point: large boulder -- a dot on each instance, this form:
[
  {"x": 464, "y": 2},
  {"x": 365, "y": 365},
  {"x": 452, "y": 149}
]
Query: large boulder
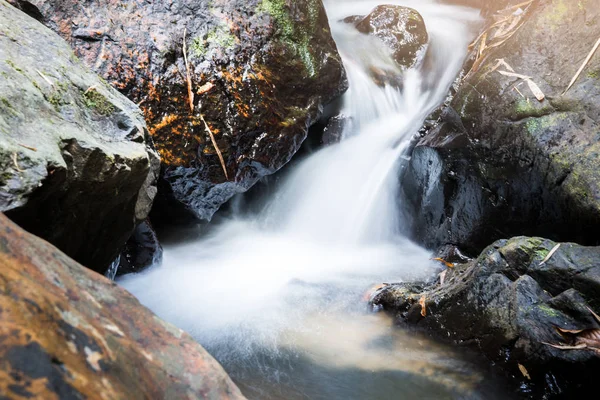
[
  {"x": 527, "y": 305},
  {"x": 401, "y": 29},
  {"x": 78, "y": 166},
  {"x": 259, "y": 72},
  {"x": 69, "y": 333},
  {"x": 502, "y": 163}
]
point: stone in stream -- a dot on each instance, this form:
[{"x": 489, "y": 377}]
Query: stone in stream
[
  {"x": 501, "y": 163},
  {"x": 141, "y": 251},
  {"x": 69, "y": 333},
  {"x": 510, "y": 303},
  {"x": 401, "y": 29},
  {"x": 260, "y": 72},
  {"x": 78, "y": 166}
]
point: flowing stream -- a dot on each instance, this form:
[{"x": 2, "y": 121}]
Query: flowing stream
[{"x": 277, "y": 295}]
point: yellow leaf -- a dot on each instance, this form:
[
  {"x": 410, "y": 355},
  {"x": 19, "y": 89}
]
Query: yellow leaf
[
  {"x": 524, "y": 371},
  {"x": 422, "y": 301}
]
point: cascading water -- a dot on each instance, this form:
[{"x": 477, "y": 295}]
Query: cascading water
[{"x": 281, "y": 289}]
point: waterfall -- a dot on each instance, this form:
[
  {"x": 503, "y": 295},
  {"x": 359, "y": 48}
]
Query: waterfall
[{"x": 333, "y": 228}]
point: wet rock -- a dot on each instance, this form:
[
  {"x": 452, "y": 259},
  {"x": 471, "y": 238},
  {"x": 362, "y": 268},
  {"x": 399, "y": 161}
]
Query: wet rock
[
  {"x": 334, "y": 130},
  {"x": 260, "y": 72},
  {"x": 141, "y": 251},
  {"x": 509, "y": 303},
  {"x": 67, "y": 332},
  {"x": 501, "y": 163},
  {"x": 402, "y": 29},
  {"x": 78, "y": 166}
]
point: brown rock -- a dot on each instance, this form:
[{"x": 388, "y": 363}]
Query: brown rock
[
  {"x": 69, "y": 333},
  {"x": 260, "y": 72}
]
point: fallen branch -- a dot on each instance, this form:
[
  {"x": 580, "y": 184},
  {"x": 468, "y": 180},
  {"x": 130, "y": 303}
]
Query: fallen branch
[
  {"x": 187, "y": 74},
  {"x": 585, "y": 63},
  {"x": 214, "y": 142}
]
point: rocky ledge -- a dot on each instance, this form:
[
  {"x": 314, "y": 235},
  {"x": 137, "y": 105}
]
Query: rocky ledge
[
  {"x": 69, "y": 333},
  {"x": 78, "y": 165},
  {"x": 528, "y": 303}
]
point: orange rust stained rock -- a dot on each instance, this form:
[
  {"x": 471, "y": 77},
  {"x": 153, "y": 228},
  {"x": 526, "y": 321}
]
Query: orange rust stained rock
[
  {"x": 66, "y": 332},
  {"x": 273, "y": 70}
]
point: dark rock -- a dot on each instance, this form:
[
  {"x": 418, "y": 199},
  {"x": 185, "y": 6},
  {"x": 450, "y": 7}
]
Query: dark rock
[
  {"x": 509, "y": 304},
  {"x": 502, "y": 164},
  {"x": 402, "y": 29},
  {"x": 78, "y": 166},
  {"x": 141, "y": 251},
  {"x": 69, "y": 333},
  {"x": 260, "y": 70},
  {"x": 334, "y": 129}
]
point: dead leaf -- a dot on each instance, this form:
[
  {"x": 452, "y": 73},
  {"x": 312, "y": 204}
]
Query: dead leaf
[
  {"x": 442, "y": 276},
  {"x": 566, "y": 347},
  {"x": 422, "y": 301},
  {"x": 550, "y": 254},
  {"x": 367, "y": 295},
  {"x": 205, "y": 88},
  {"x": 524, "y": 371},
  {"x": 14, "y": 159},
  {"x": 570, "y": 331},
  {"x": 446, "y": 263}
]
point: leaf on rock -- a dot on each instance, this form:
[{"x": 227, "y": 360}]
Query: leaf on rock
[
  {"x": 566, "y": 346},
  {"x": 524, "y": 371},
  {"x": 442, "y": 276},
  {"x": 446, "y": 263},
  {"x": 422, "y": 301}
]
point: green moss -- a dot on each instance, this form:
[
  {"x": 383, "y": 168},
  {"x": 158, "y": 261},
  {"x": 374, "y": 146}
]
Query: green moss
[
  {"x": 12, "y": 64},
  {"x": 5, "y": 102},
  {"x": 525, "y": 108},
  {"x": 94, "y": 100},
  {"x": 595, "y": 74},
  {"x": 548, "y": 311},
  {"x": 558, "y": 13},
  {"x": 218, "y": 37},
  {"x": 294, "y": 35}
]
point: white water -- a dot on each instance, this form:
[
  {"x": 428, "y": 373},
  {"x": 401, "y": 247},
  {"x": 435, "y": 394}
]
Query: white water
[{"x": 332, "y": 230}]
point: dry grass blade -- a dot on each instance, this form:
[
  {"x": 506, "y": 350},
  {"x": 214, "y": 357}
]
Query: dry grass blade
[
  {"x": 585, "y": 63},
  {"x": 45, "y": 78},
  {"x": 216, "y": 146},
  {"x": 595, "y": 315},
  {"x": 550, "y": 254},
  {"x": 566, "y": 347},
  {"x": 422, "y": 301},
  {"x": 27, "y": 147},
  {"x": 187, "y": 73},
  {"x": 535, "y": 89},
  {"x": 524, "y": 371}
]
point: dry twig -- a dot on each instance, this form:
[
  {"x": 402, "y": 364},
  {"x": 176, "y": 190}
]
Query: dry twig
[{"x": 585, "y": 63}]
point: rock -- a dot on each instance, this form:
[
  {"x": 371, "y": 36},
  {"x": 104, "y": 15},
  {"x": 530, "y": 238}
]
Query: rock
[
  {"x": 334, "y": 130},
  {"x": 509, "y": 304},
  {"x": 67, "y": 332},
  {"x": 78, "y": 166},
  {"x": 402, "y": 29},
  {"x": 501, "y": 163},
  {"x": 141, "y": 251},
  {"x": 260, "y": 71}
]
